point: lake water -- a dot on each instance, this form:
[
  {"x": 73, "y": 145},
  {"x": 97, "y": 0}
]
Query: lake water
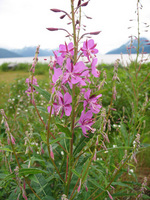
[{"x": 108, "y": 59}]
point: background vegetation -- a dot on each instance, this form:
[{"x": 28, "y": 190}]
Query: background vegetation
[{"x": 21, "y": 118}]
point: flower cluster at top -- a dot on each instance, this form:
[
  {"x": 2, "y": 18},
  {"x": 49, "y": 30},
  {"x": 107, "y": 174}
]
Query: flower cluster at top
[{"x": 66, "y": 74}]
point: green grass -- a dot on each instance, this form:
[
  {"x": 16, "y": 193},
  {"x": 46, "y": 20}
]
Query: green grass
[{"x": 21, "y": 115}]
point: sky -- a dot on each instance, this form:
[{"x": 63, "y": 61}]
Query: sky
[{"x": 23, "y": 23}]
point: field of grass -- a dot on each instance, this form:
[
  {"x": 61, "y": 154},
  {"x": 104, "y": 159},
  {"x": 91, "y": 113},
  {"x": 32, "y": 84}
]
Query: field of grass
[{"x": 16, "y": 104}]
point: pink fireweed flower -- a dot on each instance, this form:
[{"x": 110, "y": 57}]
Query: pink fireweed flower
[
  {"x": 57, "y": 74},
  {"x": 29, "y": 82},
  {"x": 66, "y": 50},
  {"x": 86, "y": 122},
  {"x": 95, "y": 72},
  {"x": 58, "y": 59},
  {"x": 89, "y": 48},
  {"x": 63, "y": 104},
  {"x": 74, "y": 72},
  {"x": 91, "y": 102}
]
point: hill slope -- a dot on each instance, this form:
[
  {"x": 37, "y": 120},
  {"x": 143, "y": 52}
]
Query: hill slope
[
  {"x": 4, "y": 53},
  {"x": 123, "y": 48},
  {"x": 30, "y": 52}
]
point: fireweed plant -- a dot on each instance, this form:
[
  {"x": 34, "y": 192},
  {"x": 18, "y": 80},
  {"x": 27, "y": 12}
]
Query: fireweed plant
[{"x": 73, "y": 155}]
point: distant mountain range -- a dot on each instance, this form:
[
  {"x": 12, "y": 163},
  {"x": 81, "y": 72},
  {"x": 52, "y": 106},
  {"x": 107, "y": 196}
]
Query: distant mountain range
[
  {"x": 123, "y": 49},
  {"x": 4, "y": 53},
  {"x": 30, "y": 51},
  {"x": 25, "y": 52}
]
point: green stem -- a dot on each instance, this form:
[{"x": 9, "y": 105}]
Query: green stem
[
  {"x": 73, "y": 101},
  {"x": 48, "y": 128},
  {"x": 48, "y": 146}
]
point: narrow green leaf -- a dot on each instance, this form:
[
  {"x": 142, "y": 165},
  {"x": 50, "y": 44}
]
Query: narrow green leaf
[
  {"x": 58, "y": 139},
  {"x": 64, "y": 129},
  {"x": 144, "y": 196},
  {"x": 43, "y": 136},
  {"x": 76, "y": 173},
  {"x": 98, "y": 92},
  {"x": 5, "y": 149},
  {"x": 33, "y": 178},
  {"x": 26, "y": 171},
  {"x": 44, "y": 93},
  {"x": 40, "y": 108},
  {"x": 124, "y": 133},
  {"x": 96, "y": 184},
  {"x": 123, "y": 194},
  {"x": 85, "y": 170},
  {"x": 82, "y": 143},
  {"x": 121, "y": 184}
]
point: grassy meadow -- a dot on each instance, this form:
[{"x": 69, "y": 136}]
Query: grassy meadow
[{"x": 132, "y": 88}]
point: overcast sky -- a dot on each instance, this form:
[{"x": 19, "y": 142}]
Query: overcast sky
[{"x": 24, "y": 22}]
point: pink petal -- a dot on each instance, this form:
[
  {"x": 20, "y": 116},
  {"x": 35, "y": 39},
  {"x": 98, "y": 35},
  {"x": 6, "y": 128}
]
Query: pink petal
[
  {"x": 90, "y": 43},
  {"x": 68, "y": 110},
  {"x": 67, "y": 98},
  {"x": 87, "y": 94}
]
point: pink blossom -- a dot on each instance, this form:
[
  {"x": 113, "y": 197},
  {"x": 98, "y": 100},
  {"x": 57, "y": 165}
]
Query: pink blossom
[
  {"x": 89, "y": 48},
  {"x": 63, "y": 104},
  {"x": 86, "y": 122},
  {"x": 58, "y": 59},
  {"x": 66, "y": 50},
  {"x": 95, "y": 72},
  {"x": 74, "y": 72},
  {"x": 91, "y": 101},
  {"x": 57, "y": 74}
]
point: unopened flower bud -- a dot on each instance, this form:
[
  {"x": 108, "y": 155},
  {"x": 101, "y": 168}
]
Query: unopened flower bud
[
  {"x": 94, "y": 157},
  {"x": 109, "y": 195},
  {"x": 86, "y": 188},
  {"x": 51, "y": 152},
  {"x": 97, "y": 141},
  {"x": 79, "y": 188},
  {"x": 12, "y": 139}
]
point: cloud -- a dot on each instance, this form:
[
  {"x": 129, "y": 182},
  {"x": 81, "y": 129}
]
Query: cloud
[{"x": 24, "y": 22}]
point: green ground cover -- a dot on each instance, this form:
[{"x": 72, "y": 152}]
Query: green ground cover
[{"x": 22, "y": 115}]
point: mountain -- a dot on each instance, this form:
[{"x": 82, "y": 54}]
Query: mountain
[
  {"x": 30, "y": 52},
  {"x": 25, "y": 52},
  {"x": 123, "y": 48},
  {"x": 4, "y": 53}
]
